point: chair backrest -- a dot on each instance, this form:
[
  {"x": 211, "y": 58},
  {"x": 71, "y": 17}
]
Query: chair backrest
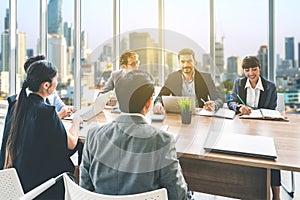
[
  {"x": 280, "y": 102},
  {"x": 10, "y": 185},
  {"x": 75, "y": 192}
]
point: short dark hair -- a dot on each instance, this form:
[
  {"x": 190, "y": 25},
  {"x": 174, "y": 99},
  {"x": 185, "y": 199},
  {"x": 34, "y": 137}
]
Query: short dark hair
[
  {"x": 125, "y": 55},
  {"x": 186, "y": 51},
  {"x": 250, "y": 62},
  {"x": 31, "y": 60},
  {"x": 134, "y": 90}
]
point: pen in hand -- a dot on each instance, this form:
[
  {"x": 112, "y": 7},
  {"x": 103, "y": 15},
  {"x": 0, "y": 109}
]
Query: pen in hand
[
  {"x": 238, "y": 96},
  {"x": 249, "y": 108},
  {"x": 207, "y": 104}
]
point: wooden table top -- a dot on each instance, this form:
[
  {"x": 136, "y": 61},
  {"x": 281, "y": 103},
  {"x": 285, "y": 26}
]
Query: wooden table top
[{"x": 191, "y": 138}]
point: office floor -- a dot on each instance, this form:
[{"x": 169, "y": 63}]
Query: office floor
[{"x": 285, "y": 176}]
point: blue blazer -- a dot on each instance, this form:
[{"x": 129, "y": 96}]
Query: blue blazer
[{"x": 267, "y": 98}]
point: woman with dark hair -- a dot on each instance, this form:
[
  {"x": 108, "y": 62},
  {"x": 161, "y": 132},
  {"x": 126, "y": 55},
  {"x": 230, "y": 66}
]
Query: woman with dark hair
[
  {"x": 256, "y": 92},
  {"x": 38, "y": 144}
]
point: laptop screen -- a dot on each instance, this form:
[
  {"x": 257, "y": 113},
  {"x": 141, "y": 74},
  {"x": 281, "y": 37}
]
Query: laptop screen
[{"x": 171, "y": 103}]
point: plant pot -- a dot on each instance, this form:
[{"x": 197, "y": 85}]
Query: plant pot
[{"x": 186, "y": 117}]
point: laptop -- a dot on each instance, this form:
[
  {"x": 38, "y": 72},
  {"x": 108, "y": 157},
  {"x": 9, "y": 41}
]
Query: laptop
[
  {"x": 244, "y": 145},
  {"x": 171, "y": 103},
  {"x": 93, "y": 110}
]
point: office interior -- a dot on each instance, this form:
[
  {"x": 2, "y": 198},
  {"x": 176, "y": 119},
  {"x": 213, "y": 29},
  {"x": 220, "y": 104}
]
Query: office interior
[{"x": 84, "y": 39}]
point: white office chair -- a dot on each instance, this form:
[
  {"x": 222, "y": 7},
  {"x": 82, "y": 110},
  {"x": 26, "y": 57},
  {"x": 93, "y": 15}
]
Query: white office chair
[
  {"x": 11, "y": 188},
  {"x": 281, "y": 108},
  {"x": 75, "y": 192}
]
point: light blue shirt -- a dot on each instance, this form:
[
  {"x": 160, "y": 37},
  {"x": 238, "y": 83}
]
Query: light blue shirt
[{"x": 56, "y": 101}]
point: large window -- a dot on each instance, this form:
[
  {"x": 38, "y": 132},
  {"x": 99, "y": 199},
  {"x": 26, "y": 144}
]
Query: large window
[
  {"x": 96, "y": 47},
  {"x": 61, "y": 45},
  {"x": 287, "y": 52},
  {"x": 241, "y": 30},
  {"x": 5, "y": 49},
  {"x": 139, "y": 32},
  {"x": 27, "y": 36},
  {"x": 187, "y": 25}
]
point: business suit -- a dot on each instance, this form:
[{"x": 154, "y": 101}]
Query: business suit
[
  {"x": 131, "y": 156},
  {"x": 267, "y": 98},
  {"x": 112, "y": 81},
  {"x": 204, "y": 86}
]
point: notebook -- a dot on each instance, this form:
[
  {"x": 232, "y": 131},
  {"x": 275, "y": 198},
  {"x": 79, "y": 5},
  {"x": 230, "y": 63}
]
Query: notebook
[
  {"x": 93, "y": 110},
  {"x": 264, "y": 113},
  {"x": 245, "y": 145},
  {"x": 222, "y": 112},
  {"x": 171, "y": 103}
]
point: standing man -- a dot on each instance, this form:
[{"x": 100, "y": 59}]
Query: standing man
[{"x": 188, "y": 81}]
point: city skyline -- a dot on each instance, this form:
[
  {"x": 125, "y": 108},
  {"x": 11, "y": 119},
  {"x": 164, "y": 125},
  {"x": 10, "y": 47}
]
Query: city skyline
[{"x": 28, "y": 23}]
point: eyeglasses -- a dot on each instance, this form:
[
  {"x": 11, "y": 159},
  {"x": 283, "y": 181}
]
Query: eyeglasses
[{"x": 133, "y": 64}]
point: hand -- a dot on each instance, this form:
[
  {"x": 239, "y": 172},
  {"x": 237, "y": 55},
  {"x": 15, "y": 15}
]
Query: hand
[
  {"x": 66, "y": 111},
  {"x": 77, "y": 122},
  {"x": 158, "y": 109},
  {"x": 111, "y": 102},
  {"x": 73, "y": 132},
  {"x": 245, "y": 110},
  {"x": 209, "y": 106}
]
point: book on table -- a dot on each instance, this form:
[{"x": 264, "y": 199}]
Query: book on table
[
  {"x": 264, "y": 113},
  {"x": 222, "y": 112}
]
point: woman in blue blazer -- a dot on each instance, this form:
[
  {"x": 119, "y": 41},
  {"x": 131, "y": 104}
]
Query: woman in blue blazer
[{"x": 256, "y": 92}]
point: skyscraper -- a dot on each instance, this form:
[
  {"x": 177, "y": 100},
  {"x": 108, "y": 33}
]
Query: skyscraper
[
  {"x": 263, "y": 60},
  {"x": 69, "y": 33},
  {"x": 289, "y": 50},
  {"x": 6, "y": 20},
  {"x": 146, "y": 47},
  {"x": 57, "y": 54},
  {"x": 299, "y": 54},
  {"x": 5, "y": 50},
  {"x": 55, "y": 17},
  {"x": 219, "y": 56}
]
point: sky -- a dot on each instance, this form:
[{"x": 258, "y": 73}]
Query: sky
[{"x": 241, "y": 24}]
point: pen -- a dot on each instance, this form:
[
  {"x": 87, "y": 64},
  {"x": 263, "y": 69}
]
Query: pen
[
  {"x": 207, "y": 105},
  {"x": 208, "y": 97},
  {"x": 242, "y": 100}
]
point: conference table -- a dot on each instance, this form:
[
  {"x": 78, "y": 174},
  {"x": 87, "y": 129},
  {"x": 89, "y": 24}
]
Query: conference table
[{"x": 223, "y": 174}]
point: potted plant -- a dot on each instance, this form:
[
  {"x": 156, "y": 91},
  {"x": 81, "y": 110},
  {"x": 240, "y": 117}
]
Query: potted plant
[{"x": 186, "y": 107}]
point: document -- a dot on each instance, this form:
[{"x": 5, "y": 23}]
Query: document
[
  {"x": 264, "y": 113},
  {"x": 244, "y": 145},
  {"x": 222, "y": 112}
]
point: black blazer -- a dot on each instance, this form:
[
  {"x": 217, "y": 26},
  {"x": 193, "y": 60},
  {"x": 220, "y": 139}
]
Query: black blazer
[{"x": 204, "y": 86}]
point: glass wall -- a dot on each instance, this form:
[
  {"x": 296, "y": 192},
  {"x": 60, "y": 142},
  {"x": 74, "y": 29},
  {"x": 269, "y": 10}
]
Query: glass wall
[
  {"x": 287, "y": 52},
  {"x": 5, "y": 49},
  {"x": 139, "y": 32},
  {"x": 187, "y": 25},
  {"x": 96, "y": 47},
  {"x": 241, "y": 30},
  {"x": 27, "y": 36},
  {"x": 61, "y": 45}
]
